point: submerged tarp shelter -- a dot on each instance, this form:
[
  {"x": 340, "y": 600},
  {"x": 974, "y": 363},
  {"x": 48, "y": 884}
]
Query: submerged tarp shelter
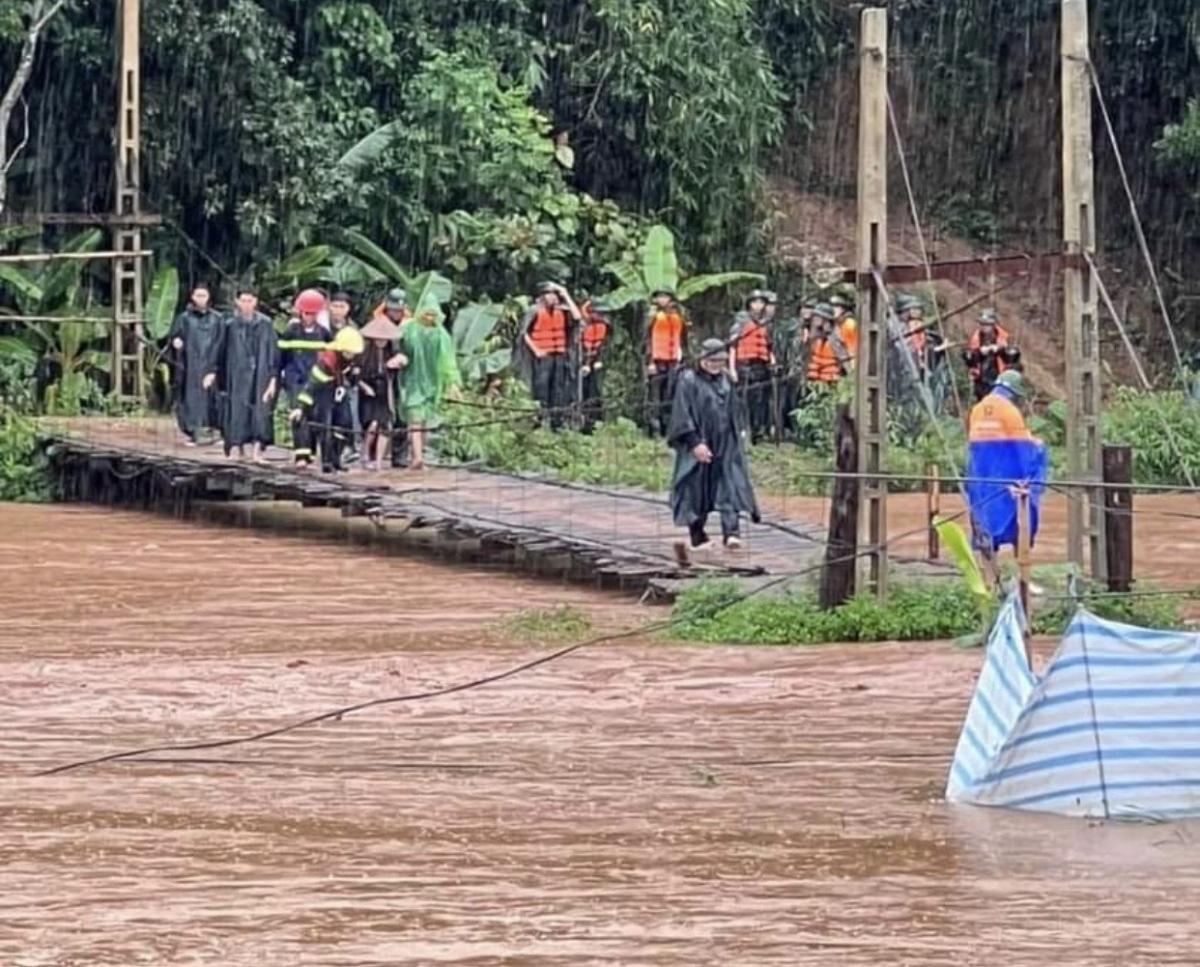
[{"x": 1112, "y": 729}]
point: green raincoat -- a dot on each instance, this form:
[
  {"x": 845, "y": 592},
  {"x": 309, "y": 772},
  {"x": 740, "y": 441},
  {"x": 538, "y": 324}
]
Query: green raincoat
[{"x": 431, "y": 371}]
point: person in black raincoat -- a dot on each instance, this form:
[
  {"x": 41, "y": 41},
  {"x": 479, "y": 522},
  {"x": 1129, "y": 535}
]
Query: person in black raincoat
[
  {"x": 246, "y": 375},
  {"x": 547, "y": 350},
  {"x": 195, "y": 339},
  {"x": 711, "y": 472}
]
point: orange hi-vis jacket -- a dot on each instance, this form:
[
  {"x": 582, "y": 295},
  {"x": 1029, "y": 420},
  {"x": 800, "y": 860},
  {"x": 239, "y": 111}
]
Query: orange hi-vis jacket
[
  {"x": 996, "y": 418},
  {"x": 823, "y": 363},
  {"x": 666, "y": 336},
  {"x": 974, "y": 344},
  {"x": 548, "y": 331},
  {"x": 753, "y": 343}
]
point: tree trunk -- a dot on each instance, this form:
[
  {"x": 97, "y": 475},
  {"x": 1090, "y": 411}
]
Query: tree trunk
[{"x": 39, "y": 16}]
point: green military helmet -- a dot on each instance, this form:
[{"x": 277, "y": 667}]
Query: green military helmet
[
  {"x": 545, "y": 287},
  {"x": 756, "y": 294},
  {"x": 600, "y": 307},
  {"x": 663, "y": 290},
  {"x": 1014, "y": 381},
  {"x": 824, "y": 310},
  {"x": 396, "y": 298},
  {"x": 906, "y": 303},
  {"x": 840, "y": 301},
  {"x": 988, "y": 317}
]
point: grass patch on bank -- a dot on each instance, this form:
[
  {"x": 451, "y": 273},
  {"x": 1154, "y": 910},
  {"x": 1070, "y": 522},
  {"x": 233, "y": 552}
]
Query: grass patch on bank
[
  {"x": 711, "y": 612},
  {"x": 561, "y": 623}
]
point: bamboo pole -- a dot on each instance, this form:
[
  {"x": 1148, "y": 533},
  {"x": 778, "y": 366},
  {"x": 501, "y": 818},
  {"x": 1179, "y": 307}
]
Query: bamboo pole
[
  {"x": 1024, "y": 536},
  {"x": 933, "y": 506},
  {"x": 26, "y": 257}
]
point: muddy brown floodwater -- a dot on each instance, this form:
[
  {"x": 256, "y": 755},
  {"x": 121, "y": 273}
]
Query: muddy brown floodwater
[{"x": 642, "y": 803}]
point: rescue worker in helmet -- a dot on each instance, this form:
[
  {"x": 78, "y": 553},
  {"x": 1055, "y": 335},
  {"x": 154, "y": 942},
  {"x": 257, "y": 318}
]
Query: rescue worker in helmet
[
  {"x": 304, "y": 328},
  {"x": 828, "y": 358},
  {"x": 666, "y": 341},
  {"x": 546, "y": 348},
  {"x": 315, "y": 413},
  {"x": 751, "y": 358},
  {"x": 845, "y": 326},
  {"x": 394, "y": 307},
  {"x": 596, "y": 331},
  {"x": 989, "y": 353}
]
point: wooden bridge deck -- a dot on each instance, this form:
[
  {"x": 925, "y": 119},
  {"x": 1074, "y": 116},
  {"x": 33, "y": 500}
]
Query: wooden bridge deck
[{"x": 613, "y": 536}]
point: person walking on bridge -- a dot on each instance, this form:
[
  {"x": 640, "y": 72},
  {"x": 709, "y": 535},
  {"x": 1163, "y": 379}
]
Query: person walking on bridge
[
  {"x": 315, "y": 413},
  {"x": 195, "y": 339},
  {"x": 711, "y": 472},
  {"x": 428, "y": 377},
  {"x": 246, "y": 376},
  {"x": 301, "y": 341}
]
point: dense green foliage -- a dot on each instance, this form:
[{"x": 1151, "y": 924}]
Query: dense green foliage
[
  {"x": 23, "y": 470},
  {"x": 711, "y": 611}
]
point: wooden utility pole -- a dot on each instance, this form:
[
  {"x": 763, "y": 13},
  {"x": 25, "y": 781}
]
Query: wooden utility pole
[
  {"x": 870, "y": 405},
  {"x": 128, "y": 369},
  {"x": 1118, "y": 517},
  {"x": 1085, "y": 521}
]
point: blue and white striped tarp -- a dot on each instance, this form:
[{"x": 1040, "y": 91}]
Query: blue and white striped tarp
[{"x": 1111, "y": 729}]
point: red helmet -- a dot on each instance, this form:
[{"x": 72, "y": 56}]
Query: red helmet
[{"x": 310, "y": 301}]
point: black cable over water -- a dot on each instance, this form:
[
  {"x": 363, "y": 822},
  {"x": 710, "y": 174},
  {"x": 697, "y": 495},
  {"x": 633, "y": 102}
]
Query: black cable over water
[{"x": 335, "y": 714}]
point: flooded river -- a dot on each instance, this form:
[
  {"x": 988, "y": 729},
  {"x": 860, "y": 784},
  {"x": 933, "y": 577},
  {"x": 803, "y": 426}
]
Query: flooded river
[{"x": 636, "y": 803}]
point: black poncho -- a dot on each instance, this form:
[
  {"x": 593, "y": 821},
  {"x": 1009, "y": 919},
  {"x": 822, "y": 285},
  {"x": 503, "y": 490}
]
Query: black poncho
[
  {"x": 249, "y": 361},
  {"x": 706, "y": 411},
  {"x": 201, "y": 332}
]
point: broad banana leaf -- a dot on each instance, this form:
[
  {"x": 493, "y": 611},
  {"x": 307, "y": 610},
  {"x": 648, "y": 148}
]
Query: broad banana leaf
[
  {"x": 61, "y": 280},
  {"x": 161, "y": 303},
  {"x": 14, "y": 347},
  {"x": 660, "y": 269},
  {"x": 297, "y": 269},
  {"x": 369, "y": 149},
  {"x": 624, "y": 296},
  {"x": 954, "y": 539},
  {"x": 349, "y": 270},
  {"x": 473, "y": 324},
  {"x": 24, "y": 287},
  {"x": 18, "y": 233},
  {"x": 629, "y": 277},
  {"x": 361, "y": 247},
  {"x": 429, "y": 290},
  {"x": 702, "y": 283},
  {"x": 496, "y": 360}
]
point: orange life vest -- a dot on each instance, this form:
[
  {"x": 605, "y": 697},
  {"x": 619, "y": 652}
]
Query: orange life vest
[
  {"x": 974, "y": 344},
  {"x": 594, "y": 336},
  {"x": 753, "y": 343},
  {"x": 823, "y": 365},
  {"x": 666, "y": 336},
  {"x": 847, "y": 330},
  {"x": 549, "y": 330}
]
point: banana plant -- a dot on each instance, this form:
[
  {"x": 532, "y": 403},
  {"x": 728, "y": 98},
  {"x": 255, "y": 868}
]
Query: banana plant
[
  {"x": 659, "y": 269},
  {"x": 476, "y": 344},
  {"x": 53, "y": 324}
]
